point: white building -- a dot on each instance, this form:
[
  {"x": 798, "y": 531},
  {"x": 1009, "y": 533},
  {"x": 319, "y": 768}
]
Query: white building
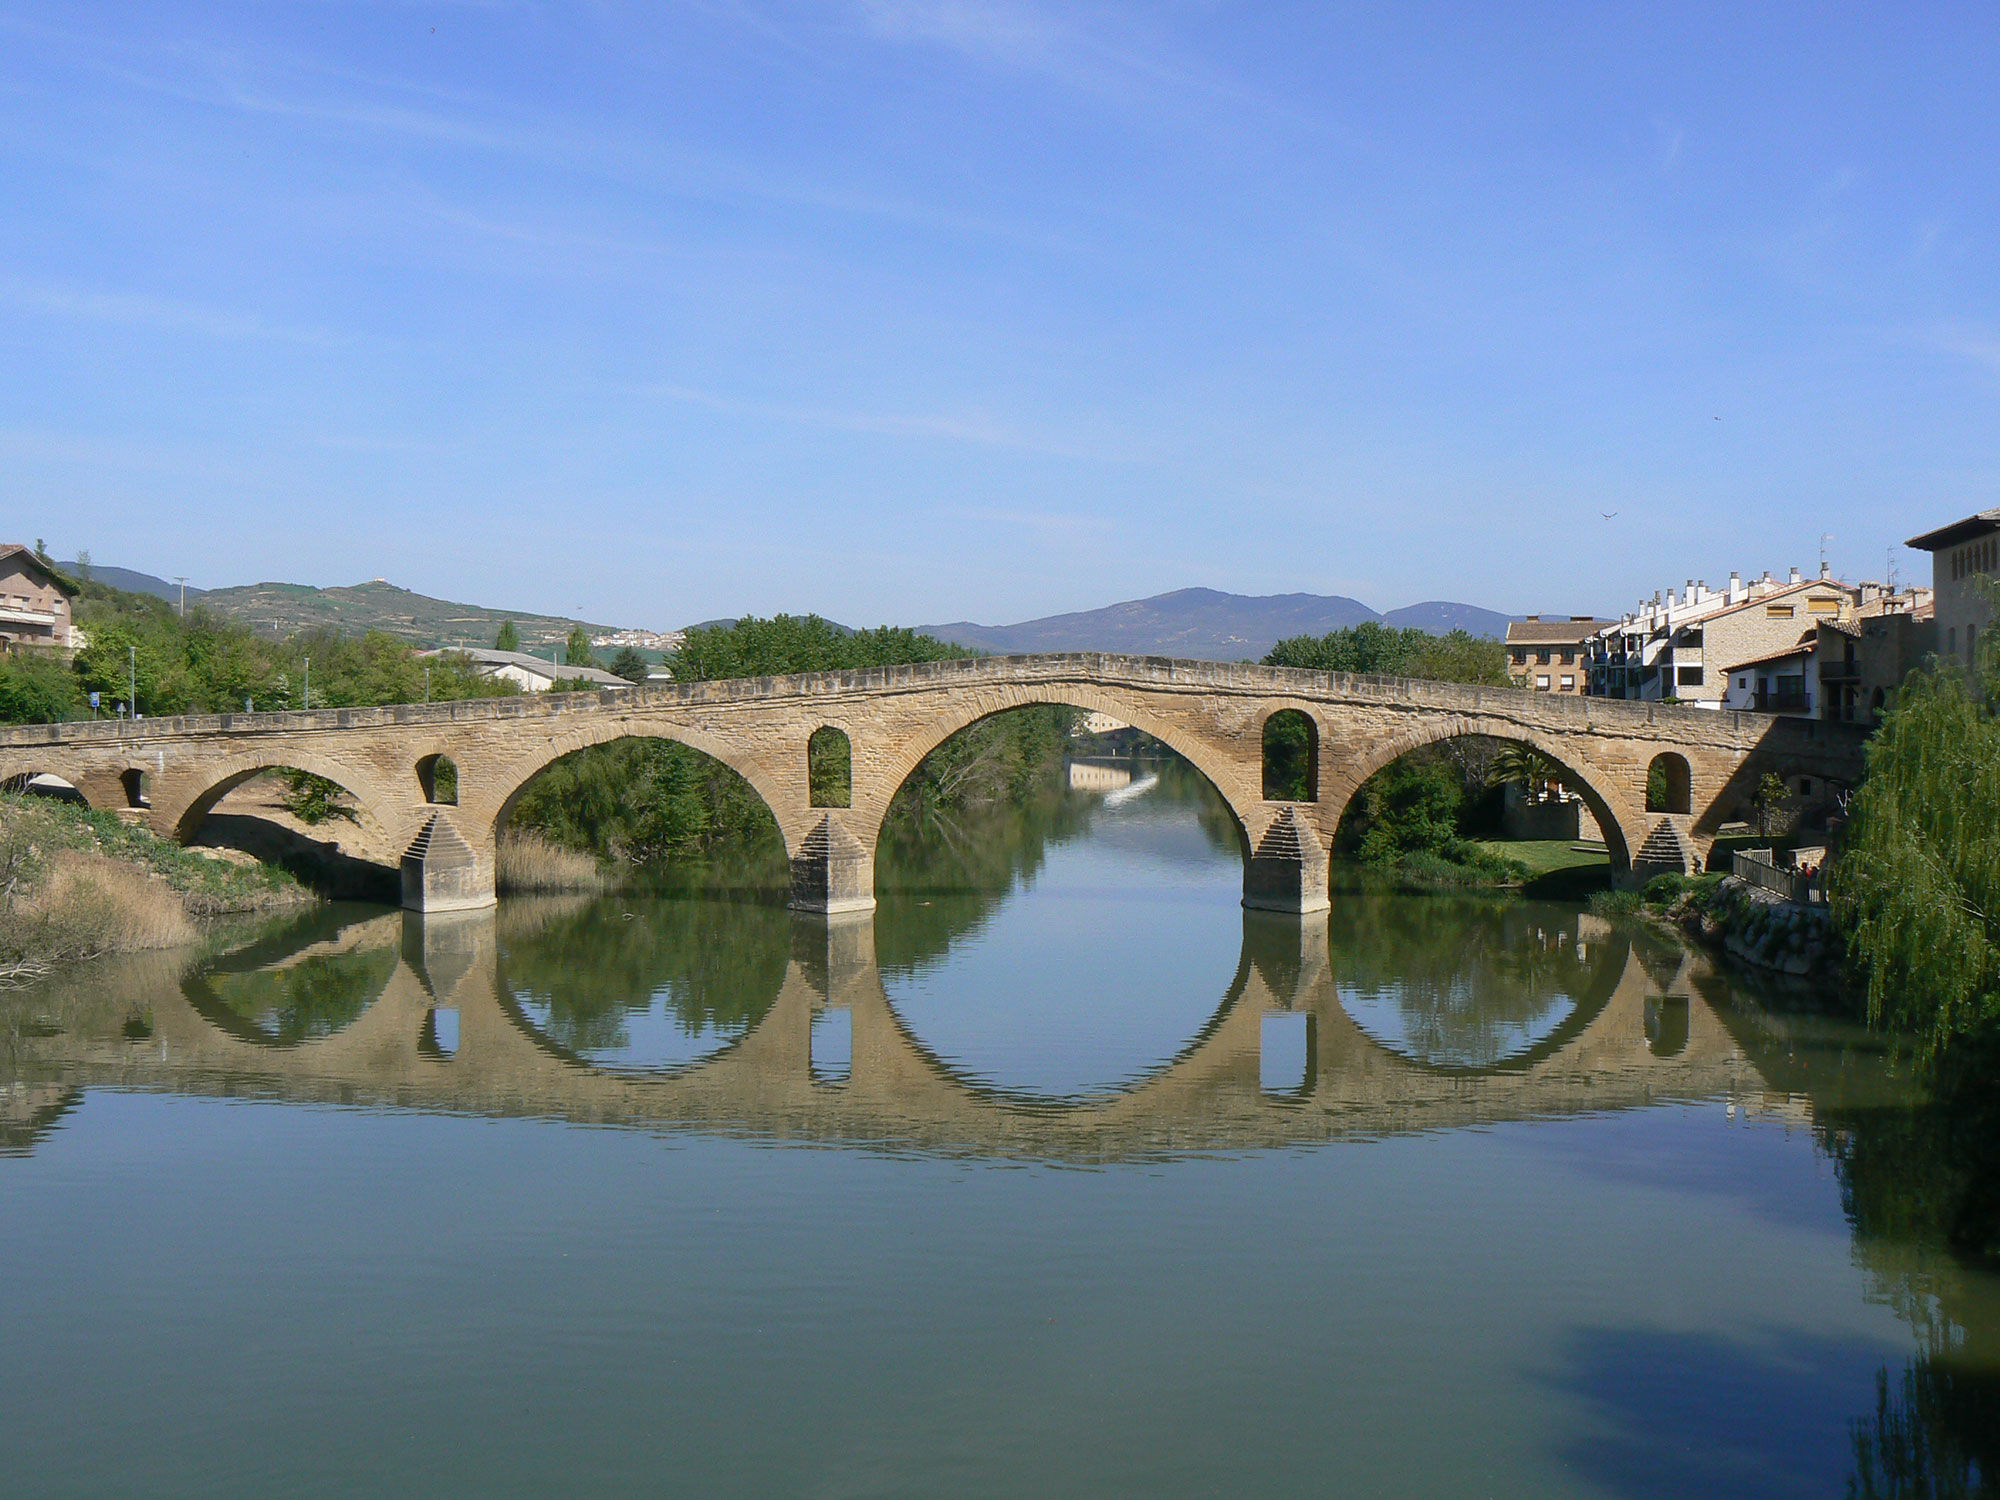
[{"x": 531, "y": 673}]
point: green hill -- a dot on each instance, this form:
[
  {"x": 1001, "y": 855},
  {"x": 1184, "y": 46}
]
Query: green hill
[{"x": 278, "y": 609}]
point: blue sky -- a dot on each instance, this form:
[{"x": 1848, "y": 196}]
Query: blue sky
[{"x": 921, "y": 310}]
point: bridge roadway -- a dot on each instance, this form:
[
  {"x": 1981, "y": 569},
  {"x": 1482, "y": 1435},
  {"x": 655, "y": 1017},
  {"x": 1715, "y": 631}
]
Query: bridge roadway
[
  {"x": 1636, "y": 1037},
  {"x": 1210, "y": 712}
]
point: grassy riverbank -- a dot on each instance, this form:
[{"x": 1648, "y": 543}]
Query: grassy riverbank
[{"x": 75, "y": 884}]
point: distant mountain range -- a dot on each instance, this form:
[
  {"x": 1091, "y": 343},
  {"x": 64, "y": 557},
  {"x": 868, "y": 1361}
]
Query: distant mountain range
[
  {"x": 1206, "y": 624},
  {"x": 1210, "y": 625},
  {"x": 280, "y": 608}
]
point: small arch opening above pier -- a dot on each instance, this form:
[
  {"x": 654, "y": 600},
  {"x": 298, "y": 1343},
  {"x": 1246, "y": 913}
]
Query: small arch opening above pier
[
  {"x": 1291, "y": 757},
  {"x": 830, "y": 768},
  {"x": 438, "y": 776}
]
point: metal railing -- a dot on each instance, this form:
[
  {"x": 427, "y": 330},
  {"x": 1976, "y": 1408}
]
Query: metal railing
[{"x": 1759, "y": 868}]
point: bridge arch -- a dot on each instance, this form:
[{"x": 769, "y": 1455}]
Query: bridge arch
[
  {"x": 382, "y": 829},
  {"x": 501, "y": 789},
  {"x": 1234, "y": 778},
  {"x": 1624, "y": 828}
]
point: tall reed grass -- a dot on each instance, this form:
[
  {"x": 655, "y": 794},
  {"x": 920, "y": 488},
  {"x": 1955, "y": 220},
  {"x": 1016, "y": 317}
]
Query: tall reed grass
[{"x": 527, "y": 862}]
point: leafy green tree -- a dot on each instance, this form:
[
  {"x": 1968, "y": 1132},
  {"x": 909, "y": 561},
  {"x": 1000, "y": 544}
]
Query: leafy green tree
[
  {"x": 1410, "y": 806},
  {"x": 36, "y": 689},
  {"x": 630, "y": 665},
  {"x": 1769, "y": 802},
  {"x": 1917, "y": 883},
  {"x": 799, "y": 643},
  {"x": 508, "y": 637},
  {"x": 577, "y": 652},
  {"x": 314, "y": 799},
  {"x": 1387, "y": 651}
]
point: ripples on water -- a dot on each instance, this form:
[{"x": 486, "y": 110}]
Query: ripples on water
[{"x": 1114, "y": 1189}]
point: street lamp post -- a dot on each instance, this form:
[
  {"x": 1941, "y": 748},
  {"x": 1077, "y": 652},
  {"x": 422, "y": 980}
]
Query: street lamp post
[{"x": 132, "y": 680}]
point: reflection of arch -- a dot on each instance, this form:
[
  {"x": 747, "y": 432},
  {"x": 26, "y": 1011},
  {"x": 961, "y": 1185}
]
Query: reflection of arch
[
  {"x": 965, "y": 1081},
  {"x": 352, "y": 981},
  {"x": 1587, "y": 1005},
  {"x": 1669, "y": 784},
  {"x": 1291, "y": 757},
  {"x": 1605, "y": 802},
  {"x": 438, "y": 776},
  {"x": 829, "y": 768},
  {"x": 541, "y": 1041},
  {"x": 1225, "y": 776},
  {"x": 520, "y": 772}
]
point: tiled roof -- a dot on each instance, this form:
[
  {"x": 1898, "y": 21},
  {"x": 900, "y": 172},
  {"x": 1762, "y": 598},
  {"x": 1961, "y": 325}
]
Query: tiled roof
[
  {"x": 1979, "y": 523},
  {"x": 1803, "y": 648},
  {"x": 1552, "y": 632},
  {"x": 55, "y": 579}
]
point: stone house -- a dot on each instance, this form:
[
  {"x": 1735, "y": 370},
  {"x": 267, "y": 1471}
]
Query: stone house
[
  {"x": 34, "y": 602},
  {"x": 1551, "y": 654},
  {"x": 1760, "y": 635},
  {"x": 1965, "y": 560},
  {"x": 1860, "y": 662}
]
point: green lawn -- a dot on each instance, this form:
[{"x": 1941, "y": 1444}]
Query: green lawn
[{"x": 1557, "y": 868}]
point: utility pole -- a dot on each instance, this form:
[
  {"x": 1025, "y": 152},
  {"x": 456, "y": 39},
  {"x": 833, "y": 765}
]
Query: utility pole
[
  {"x": 427, "y": 682},
  {"x": 184, "y": 595},
  {"x": 307, "y": 690},
  {"x": 132, "y": 680}
]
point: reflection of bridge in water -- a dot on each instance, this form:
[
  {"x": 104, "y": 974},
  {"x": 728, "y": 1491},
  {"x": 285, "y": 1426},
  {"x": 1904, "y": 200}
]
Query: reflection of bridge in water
[{"x": 445, "y": 1034}]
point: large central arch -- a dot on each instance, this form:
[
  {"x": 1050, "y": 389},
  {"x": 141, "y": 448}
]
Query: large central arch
[
  {"x": 1607, "y": 803},
  {"x": 886, "y": 776}
]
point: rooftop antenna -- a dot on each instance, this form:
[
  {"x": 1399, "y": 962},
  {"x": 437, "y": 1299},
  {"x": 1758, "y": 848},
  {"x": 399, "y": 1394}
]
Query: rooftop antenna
[
  {"x": 1890, "y": 553},
  {"x": 1824, "y": 538}
]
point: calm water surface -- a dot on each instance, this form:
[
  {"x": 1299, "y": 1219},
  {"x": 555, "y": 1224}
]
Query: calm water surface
[{"x": 1060, "y": 1176}]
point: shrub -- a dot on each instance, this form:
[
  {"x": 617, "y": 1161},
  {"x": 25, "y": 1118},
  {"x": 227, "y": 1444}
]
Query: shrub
[{"x": 1616, "y": 904}]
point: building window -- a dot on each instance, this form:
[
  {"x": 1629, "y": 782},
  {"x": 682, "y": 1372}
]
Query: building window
[
  {"x": 1542, "y": 681},
  {"x": 1569, "y": 684},
  {"x": 1743, "y": 682},
  {"x": 1520, "y": 658},
  {"x": 1689, "y": 677},
  {"x": 1822, "y": 606},
  {"x": 1779, "y": 611},
  {"x": 1541, "y": 658}
]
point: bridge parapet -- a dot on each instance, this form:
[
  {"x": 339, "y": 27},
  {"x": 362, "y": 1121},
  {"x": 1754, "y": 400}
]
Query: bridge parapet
[{"x": 1213, "y": 713}]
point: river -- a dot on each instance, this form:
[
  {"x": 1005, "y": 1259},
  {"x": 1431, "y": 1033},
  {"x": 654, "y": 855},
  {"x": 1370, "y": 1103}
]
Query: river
[{"x": 1060, "y": 1176}]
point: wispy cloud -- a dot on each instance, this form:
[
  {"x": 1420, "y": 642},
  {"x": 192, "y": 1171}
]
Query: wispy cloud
[
  {"x": 311, "y": 94},
  {"x": 959, "y": 427},
  {"x": 160, "y": 314},
  {"x": 1981, "y": 346}
]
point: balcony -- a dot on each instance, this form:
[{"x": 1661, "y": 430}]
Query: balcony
[{"x": 1783, "y": 701}]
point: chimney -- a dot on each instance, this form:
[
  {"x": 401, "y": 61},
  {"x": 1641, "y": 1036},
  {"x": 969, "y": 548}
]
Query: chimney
[
  {"x": 1736, "y": 589},
  {"x": 1531, "y": 617},
  {"x": 1795, "y": 575}
]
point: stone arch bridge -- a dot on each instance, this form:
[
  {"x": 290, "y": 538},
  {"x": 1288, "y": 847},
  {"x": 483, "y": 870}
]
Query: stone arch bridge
[{"x": 1209, "y": 712}]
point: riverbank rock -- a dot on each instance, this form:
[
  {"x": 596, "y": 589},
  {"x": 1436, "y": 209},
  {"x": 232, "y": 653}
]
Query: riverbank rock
[{"x": 1762, "y": 929}]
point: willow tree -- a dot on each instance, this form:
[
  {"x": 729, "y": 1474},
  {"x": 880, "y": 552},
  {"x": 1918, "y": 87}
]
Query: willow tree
[{"x": 1917, "y": 886}]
